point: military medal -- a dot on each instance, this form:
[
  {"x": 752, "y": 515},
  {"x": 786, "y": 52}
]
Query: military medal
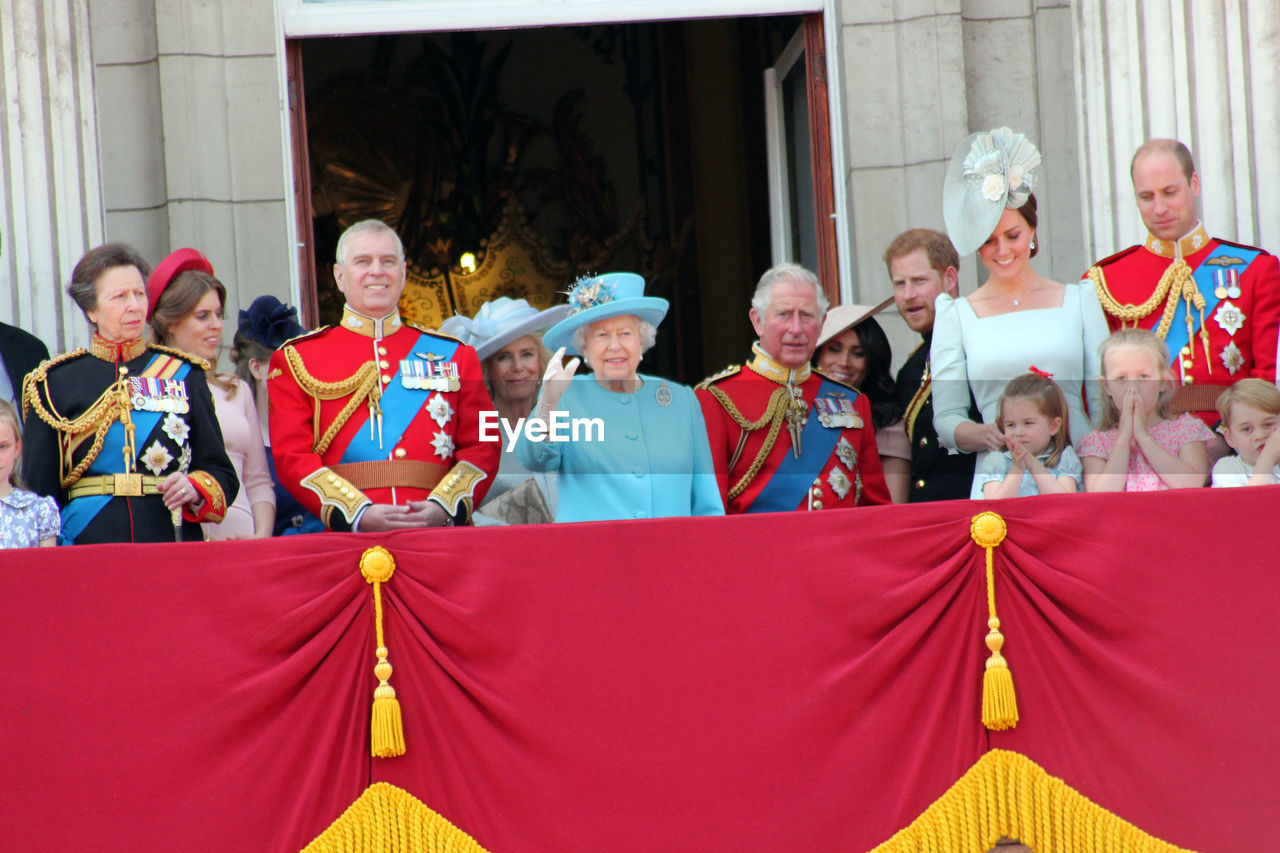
[
  {"x": 837, "y": 412},
  {"x": 846, "y": 454},
  {"x": 1229, "y": 317},
  {"x": 663, "y": 395},
  {"x": 432, "y": 373},
  {"x": 839, "y": 483},
  {"x": 149, "y": 394},
  {"x": 1232, "y": 358},
  {"x": 1227, "y": 284}
]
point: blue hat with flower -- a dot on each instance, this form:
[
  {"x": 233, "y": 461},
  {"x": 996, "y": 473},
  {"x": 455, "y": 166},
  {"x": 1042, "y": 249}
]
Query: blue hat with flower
[
  {"x": 598, "y": 297},
  {"x": 269, "y": 321},
  {"x": 499, "y": 322},
  {"x": 990, "y": 171}
]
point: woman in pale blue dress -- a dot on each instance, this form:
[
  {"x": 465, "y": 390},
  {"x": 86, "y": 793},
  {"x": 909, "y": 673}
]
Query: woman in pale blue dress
[
  {"x": 1017, "y": 319},
  {"x": 649, "y": 456}
]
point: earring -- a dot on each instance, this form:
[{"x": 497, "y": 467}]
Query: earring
[{"x": 1033, "y": 245}]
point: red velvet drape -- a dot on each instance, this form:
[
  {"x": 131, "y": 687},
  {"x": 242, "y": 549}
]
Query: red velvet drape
[{"x": 799, "y": 681}]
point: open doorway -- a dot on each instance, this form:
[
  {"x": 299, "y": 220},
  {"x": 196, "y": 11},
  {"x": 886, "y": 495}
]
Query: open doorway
[{"x": 512, "y": 162}]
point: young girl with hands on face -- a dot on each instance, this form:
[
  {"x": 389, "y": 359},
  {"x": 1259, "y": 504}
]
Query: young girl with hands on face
[
  {"x": 1038, "y": 459},
  {"x": 1139, "y": 447}
]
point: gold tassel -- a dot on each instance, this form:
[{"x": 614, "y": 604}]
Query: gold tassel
[
  {"x": 386, "y": 730},
  {"x": 999, "y": 702}
]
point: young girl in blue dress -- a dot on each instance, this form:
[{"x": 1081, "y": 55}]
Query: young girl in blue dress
[
  {"x": 1038, "y": 459},
  {"x": 26, "y": 519}
]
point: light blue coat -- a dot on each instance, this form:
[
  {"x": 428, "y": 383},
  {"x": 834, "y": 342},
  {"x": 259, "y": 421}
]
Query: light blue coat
[{"x": 654, "y": 461}]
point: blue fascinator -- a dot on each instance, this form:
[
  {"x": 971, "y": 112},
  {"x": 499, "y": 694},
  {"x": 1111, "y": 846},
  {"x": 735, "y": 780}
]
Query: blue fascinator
[{"x": 269, "y": 321}]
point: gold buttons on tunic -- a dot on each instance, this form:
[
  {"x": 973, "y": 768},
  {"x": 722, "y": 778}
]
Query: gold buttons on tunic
[
  {"x": 382, "y": 350},
  {"x": 1188, "y": 380},
  {"x": 385, "y": 379},
  {"x": 401, "y": 453},
  {"x": 919, "y": 484},
  {"x": 817, "y": 504},
  {"x": 383, "y": 364},
  {"x": 924, "y": 441}
]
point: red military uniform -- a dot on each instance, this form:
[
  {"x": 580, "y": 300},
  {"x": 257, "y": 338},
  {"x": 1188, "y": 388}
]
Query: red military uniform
[
  {"x": 375, "y": 411},
  {"x": 1136, "y": 286},
  {"x": 742, "y": 409}
]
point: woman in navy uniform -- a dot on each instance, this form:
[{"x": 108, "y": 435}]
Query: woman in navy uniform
[{"x": 123, "y": 435}]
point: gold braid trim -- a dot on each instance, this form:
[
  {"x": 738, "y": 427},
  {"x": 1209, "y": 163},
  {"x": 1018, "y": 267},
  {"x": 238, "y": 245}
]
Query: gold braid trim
[
  {"x": 1007, "y": 794},
  {"x": 774, "y": 414},
  {"x": 1172, "y": 285},
  {"x": 391, "y": 820},
  {"x": 360, "y": 385},
  {"x": 97, "y": 419}
]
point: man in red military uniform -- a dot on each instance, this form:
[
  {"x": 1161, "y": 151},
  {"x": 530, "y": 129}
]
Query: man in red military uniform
[
  {"x": 375, "y": 424},
  {"x": 783, "y": 436},
  {"x": 1216, "y": 304}
]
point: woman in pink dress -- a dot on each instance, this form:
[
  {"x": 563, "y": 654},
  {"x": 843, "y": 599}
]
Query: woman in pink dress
[{"x": 188, "y": 316}]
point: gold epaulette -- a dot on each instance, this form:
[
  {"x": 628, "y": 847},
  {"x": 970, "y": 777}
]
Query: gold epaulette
[
  {"x": 182, "y": 354},
  {"x": 731, "y": 370},
  {"x": 436, "y": 333},
  {"x": 304, "y": 336}
]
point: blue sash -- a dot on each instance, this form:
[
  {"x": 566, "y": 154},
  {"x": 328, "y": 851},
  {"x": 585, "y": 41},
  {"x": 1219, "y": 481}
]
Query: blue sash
[
  {"x": 400, "y": 405},
  {"x": 77, "y": 514},
  {"x": 1203, "y": 276},
  {"x": 791, "y": 482}
]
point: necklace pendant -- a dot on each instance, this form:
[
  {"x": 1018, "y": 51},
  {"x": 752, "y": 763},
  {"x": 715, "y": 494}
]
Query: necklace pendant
[{"x": 1015, "y": 303}]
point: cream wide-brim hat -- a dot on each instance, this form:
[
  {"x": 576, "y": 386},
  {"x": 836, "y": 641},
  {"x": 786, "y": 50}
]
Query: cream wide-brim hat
[
  {"x": 499, "y": 322},
  {"x": 844, "y": 317}
]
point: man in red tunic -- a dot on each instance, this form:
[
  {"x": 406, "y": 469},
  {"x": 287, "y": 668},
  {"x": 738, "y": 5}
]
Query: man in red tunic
[
  {"x": 1215, "y": 303},
  {"x": 375, "y": 423},
  {"x": 783, "y": 436}
]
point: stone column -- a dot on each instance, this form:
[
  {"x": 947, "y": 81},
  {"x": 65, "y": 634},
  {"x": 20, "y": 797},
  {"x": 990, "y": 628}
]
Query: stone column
[
  {"x": 50, "y": 202},
  {"x": 1204, "y": 73}
]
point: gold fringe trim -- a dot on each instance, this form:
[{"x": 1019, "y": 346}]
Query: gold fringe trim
[
  {"x": 1007, "y": 794},
  {"x": 387, "y": 819},
  {"x": 999, "y": 702},
  {"x": 386, "y": 731}
]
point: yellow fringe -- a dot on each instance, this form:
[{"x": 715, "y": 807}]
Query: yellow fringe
[
  {"x": 1008, "y": 794},
  {"x": 386, "y": 730},
  {"x": 999, "y": 702},
  {"x": 387, "y": 819}
]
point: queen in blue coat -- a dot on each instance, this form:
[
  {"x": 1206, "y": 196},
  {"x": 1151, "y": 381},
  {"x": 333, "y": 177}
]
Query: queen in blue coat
[{"x": 626, "y": 445}]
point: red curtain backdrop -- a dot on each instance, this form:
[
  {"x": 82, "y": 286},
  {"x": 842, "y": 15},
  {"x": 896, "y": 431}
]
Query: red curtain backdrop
[{"x": 797, "y": 681}]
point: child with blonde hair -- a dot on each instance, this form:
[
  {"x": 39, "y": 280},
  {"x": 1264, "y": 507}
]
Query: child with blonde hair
[
  {"x": 1250, "y": 412},
  {"x": 26, "y": 519},
  {"x": 1139, "y": 446},
  {"x": 1039, "y": 459}
]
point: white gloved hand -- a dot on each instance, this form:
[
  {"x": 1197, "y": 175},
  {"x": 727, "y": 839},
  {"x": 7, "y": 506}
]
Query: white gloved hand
[{"x": 555, "y": 381}]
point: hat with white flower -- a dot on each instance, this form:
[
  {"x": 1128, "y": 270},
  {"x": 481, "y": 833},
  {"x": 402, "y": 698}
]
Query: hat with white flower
[
  {"x": 598, "y": 297},
  {"x": 990, "y": 171},
  {"x": 499, "y": 322}
]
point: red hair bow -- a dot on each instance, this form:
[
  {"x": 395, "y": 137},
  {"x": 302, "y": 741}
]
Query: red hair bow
[{"x": 1038, "y": 372}]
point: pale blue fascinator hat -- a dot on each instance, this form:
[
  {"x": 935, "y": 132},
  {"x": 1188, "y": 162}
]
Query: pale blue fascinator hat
[
  {"x": 598, "y": 297},
  {"x": 990, "y": 171},
  {"x": 499, "y": 322}
]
